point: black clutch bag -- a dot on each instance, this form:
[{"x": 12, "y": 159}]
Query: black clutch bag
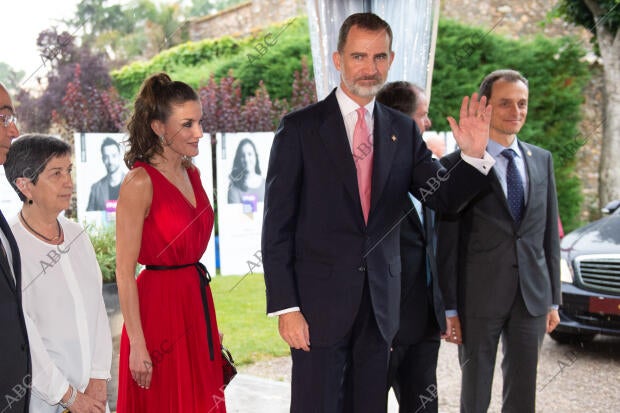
[{"x": 228, "y": 366}]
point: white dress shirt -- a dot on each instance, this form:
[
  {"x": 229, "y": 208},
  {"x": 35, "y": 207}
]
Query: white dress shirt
[{"x": 68, "y": 330}]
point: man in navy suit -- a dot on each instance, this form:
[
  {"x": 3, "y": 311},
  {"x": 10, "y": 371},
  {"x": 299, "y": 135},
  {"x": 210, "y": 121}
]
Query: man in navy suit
[
  {"x": 15, "y": 376},
  {"x": 332, "y": 254},
  {"x": 413, "y": 360},
  {"x": 499, "y": 259}
]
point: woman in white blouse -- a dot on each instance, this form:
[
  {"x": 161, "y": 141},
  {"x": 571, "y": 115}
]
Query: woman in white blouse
[{"x": 68, "y": 331}]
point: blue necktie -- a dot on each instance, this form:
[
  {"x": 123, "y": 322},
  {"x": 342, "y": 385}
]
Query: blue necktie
[{"x": 514, "y": 186}]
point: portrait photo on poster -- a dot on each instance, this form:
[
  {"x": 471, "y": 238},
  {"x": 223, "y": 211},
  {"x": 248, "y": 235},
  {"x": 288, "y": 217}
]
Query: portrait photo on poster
[
  {"x": 100, "y": 170},
  {"x": 246, "y": 180},
  {"x": 241, "y": 161}
]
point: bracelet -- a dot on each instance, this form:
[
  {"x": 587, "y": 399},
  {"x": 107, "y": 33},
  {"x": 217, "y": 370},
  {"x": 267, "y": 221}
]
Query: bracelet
[{"x": 71, "y": 400}]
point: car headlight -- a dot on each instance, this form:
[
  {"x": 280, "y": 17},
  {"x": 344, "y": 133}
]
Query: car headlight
[{"x": 566, "y": 272}]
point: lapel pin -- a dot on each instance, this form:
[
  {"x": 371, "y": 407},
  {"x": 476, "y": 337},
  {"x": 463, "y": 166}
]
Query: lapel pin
[
  {"x": 393, "y": 138},
  {"x": 529, "y": 153}
]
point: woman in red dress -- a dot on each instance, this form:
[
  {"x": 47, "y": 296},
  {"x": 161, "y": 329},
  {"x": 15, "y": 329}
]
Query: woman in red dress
[{"x": 170, "y": 359}]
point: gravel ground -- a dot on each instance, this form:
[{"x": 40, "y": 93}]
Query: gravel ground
[{"x": 571, "y": 378}]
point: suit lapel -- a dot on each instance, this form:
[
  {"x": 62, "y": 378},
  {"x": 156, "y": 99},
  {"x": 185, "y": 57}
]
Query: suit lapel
[
  {"x": 532, "y": 172},
  {"x": 334, "y": 137},
  {"x": 384, "y": 148},
  {"x": 4, "y": 263}
]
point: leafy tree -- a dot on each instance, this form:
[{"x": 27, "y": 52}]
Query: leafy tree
[
  {"x": 201, "y": 8},
  {"x": 10, "y": 77},
  {"x": 224, "y": 111},
  {"x": 60, "y": 54},
  {"x": 87, "y": 109},
  {"x": 602, "y": 19},
  {"x": 122, "y": 32}
]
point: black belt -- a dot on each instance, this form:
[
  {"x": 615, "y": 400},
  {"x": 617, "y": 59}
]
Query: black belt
[{"x": 205, "y": 279}]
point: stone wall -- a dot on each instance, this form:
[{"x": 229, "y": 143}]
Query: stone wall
[
  {"x": 243, "y": 19},
  {"x": 502, "y": 17}
]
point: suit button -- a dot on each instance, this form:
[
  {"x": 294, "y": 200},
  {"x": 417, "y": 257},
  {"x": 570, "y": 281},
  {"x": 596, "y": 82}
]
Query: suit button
[
  {"x": 362, "y": 268},
  {"x": 23, "y": 347},
  {"x": 515, "y": 265}
]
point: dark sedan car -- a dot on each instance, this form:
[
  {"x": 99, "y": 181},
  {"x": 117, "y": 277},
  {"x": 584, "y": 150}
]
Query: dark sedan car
[{"x": 591, "y": 280}]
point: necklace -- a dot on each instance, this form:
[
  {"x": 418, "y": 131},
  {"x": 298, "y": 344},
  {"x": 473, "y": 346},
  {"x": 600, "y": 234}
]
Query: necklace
[{"x": 56, "y": 238}]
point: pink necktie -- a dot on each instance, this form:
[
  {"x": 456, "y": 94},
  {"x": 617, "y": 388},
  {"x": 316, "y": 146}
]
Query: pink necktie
[{"x": 362, "y": 155}]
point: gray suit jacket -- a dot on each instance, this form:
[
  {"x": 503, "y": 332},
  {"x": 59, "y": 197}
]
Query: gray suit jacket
[{"x": 484, "y": 258}]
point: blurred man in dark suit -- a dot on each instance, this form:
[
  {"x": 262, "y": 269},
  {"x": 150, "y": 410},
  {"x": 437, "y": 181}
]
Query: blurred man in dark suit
[
  {"x": 15, "y": 371},
  {"x": 413, "y": 361}
]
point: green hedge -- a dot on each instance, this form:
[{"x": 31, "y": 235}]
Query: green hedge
[
  {"x": 463, "y": 57},
  {"x": 272, "y": 54},
  {"x": 272, "y": 60},
  {"x": 128, "y": 79}
]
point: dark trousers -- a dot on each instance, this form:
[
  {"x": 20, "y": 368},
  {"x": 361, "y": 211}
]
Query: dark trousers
[
  {"x": 348, "y": 377},
  {"x": 412, "y": 373},
  {"x": 522, "y": 336}
]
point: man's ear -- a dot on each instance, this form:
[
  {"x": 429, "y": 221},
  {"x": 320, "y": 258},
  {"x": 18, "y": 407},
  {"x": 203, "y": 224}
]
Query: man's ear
[{"x": 336, "y": 59}]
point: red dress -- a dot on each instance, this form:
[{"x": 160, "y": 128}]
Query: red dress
[{"x": 187, "y": 375}]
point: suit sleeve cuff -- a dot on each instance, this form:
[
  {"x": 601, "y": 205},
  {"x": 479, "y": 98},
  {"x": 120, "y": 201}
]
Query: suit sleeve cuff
[
  {"x": 483, "y": 165},
  {"x": 451, "y": 313},
  {"x": 280, "y": 312}
]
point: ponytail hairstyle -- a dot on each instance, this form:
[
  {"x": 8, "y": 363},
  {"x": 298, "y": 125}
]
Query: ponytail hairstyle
[{"x": 154, "y": 102}]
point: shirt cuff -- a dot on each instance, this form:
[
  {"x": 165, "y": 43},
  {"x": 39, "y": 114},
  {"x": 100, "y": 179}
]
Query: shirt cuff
[
  {"x": 554, "y": 307},
  {"x": 280, "y": 312},
  {"x": 100, "y": 375},
  {"x": 483, "y": 165},
  {"x": 451, "y": 313}
]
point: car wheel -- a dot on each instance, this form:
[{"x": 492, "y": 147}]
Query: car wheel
[{"x": 570, "y": 338}]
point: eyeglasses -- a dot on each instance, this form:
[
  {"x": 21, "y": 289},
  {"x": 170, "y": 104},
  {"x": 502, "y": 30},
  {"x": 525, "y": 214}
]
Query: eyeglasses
[{"x": 8, "y": 119}]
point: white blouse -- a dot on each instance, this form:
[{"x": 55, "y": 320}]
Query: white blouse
[{"x": 66, "y": 319}]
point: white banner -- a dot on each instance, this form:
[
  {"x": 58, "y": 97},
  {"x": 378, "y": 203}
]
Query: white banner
[{"x": 242, "y": 160}]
